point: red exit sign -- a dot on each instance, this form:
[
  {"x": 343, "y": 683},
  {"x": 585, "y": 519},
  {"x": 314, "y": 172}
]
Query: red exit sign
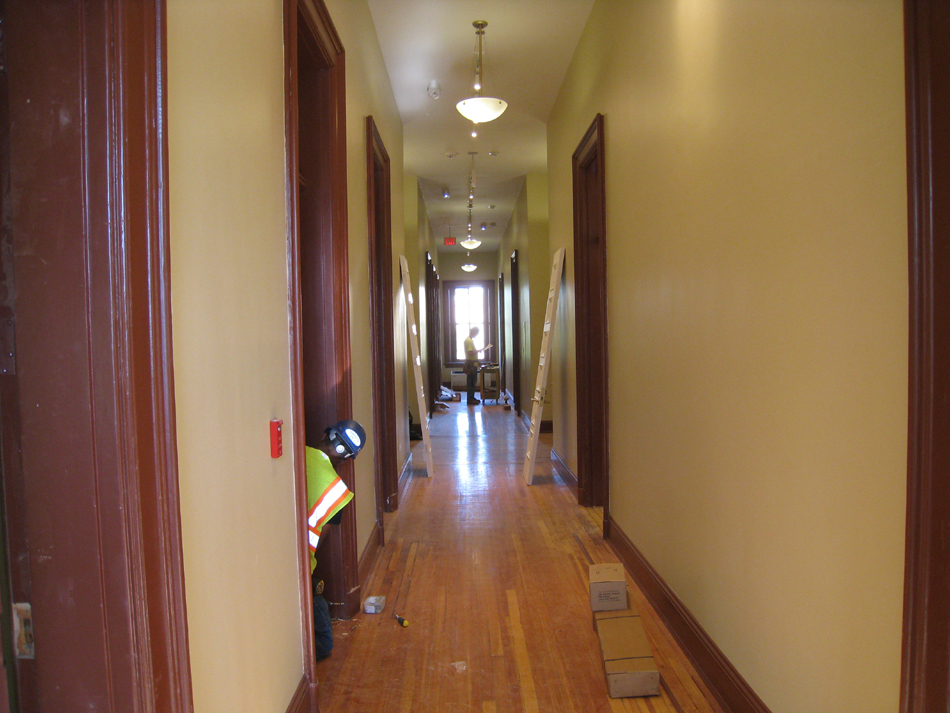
[{"x": 450, "y": 241}]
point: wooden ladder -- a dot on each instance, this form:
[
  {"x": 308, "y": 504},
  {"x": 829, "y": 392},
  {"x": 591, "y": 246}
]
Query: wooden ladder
[
  {"x": 416, "y": 361},
  {"x": 537, "y": 407}
]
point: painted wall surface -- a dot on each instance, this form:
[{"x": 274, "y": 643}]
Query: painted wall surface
[
  {"x": 539, "y": 280},
  {"x": 527, "y": 232},
  {"x": 231, "y": 337},
  {"x": 420, "y": 243},
  {"x": 231, "y": 351},
  {"x": 368, "y": 93},
  {"x": 757, "y": 302}
]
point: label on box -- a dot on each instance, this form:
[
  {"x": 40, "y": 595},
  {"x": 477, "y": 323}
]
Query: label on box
[{"x": 608, "y": 587}]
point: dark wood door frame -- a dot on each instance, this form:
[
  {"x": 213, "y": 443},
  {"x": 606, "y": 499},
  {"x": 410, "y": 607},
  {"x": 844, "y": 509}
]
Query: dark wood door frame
[
  {"x": 502, "y": 342},
  {"x": 517, "y": 358},
  {"x": 88, "y": 159},
  {"x": 315, "y": 91},
  {"x": 433, "y": 333},
  {"x": 381, "y": 321},
  {"x": 590, "y": 277},
  {"x": 925, "y": 678}
]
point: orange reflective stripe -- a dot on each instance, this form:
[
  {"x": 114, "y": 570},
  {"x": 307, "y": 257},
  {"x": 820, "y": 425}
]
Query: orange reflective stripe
[
  {"x": 326, "y": 501},
  {"x": 339, "y": 502}
]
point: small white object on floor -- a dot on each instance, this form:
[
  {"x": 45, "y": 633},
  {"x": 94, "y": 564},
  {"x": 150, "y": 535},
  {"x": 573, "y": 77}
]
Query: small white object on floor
[{"x": 374, "y": 605}]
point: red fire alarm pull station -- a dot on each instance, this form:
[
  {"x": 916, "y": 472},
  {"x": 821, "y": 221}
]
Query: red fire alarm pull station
[{"x": 276, "y": 439}]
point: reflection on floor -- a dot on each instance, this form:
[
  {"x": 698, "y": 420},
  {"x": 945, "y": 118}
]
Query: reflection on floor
[{"x": 491, "y": 576}]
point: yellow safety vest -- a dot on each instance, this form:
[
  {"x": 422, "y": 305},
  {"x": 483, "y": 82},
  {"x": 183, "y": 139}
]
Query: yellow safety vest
[{"x": 326, "y": 496}]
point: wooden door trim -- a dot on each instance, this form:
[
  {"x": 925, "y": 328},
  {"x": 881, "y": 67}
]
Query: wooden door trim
[
  {"x": 517, "y": 358},
  {"x": 118, "y": 213},
  {"x": 433, "y": 328},
  {"x": 590, "y": 325},
  {"x": 142, "y": 358},
  {"x": 925, "y": 672},
  {"x": 379, "y": 234},
  {"x": 324, "y": 40}
]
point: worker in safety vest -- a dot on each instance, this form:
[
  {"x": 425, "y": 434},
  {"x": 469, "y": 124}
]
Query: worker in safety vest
[{"x": 326, "y": 496}]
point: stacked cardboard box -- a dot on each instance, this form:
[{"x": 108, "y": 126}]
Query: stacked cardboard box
[{"x": 628, "y": 659}]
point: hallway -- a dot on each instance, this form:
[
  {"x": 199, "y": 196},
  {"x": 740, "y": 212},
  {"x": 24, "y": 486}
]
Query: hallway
[{"x": 491, "y": 576}]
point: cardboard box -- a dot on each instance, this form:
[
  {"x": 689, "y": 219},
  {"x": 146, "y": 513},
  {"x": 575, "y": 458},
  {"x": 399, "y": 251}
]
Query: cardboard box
[
  {"x": 628, "y": 658},
  {"x": 608, "y": 587}
]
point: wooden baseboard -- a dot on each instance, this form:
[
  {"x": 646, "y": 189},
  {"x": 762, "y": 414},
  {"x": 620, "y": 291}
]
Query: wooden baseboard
[
  {"x": 562, "y": 469},
  {"x": 368, "y": 558},
  {"x": 726, "y": 683},
  {"x": 305, "y": 698}
]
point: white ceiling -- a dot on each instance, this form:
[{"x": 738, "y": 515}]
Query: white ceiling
[{"x": 527, "y": 48}]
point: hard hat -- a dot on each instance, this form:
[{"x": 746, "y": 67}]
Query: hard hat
[{"x": 347, "y": 438}]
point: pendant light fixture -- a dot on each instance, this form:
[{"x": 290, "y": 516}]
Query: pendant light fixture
[
  {"x": 479, "y": 109},
  {"x": 471, "y": 243}
]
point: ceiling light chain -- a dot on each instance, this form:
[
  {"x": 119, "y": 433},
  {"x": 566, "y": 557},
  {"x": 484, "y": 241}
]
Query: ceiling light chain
[
  {"x": 479, "y": 109},
  {"x": 470, "y": 243}
]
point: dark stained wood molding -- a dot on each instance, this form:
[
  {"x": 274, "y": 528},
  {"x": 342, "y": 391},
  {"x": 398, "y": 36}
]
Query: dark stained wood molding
[
  {"x": 563, "y": 470},
  {"x": 925, "y": 672},
  {"x": 291, "y": 190},
  {"x": 324, "y": 42},
  {"x": 728, "y": 686},
  {"x": 517, "y": 358},
  {"x": 146, "y": 358},
  {"x": 379, "y": 237},
  {"x": 373, "y": 547},
  {"x": 433, "y": 328},
  {"x": 87, "y": 134},
  {"x": 590, "y": 268},
  {"x": 301, "y": 702}
]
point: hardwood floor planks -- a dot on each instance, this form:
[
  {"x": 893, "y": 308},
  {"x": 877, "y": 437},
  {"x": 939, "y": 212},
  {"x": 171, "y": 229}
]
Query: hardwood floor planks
[{"x": 491, "y": 575}]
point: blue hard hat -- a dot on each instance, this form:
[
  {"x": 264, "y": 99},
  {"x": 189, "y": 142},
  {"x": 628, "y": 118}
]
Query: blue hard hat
[{"x": 347, "y": 438}]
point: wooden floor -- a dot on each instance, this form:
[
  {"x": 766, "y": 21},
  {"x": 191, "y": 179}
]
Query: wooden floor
[{"x": 492, "y": 577}]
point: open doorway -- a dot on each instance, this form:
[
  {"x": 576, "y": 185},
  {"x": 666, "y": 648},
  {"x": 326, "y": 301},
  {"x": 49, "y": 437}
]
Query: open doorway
[
  {"x": 516, "y": 347},
  {"x": 381, "y": 320},
  {"x": 318, "y": 266},
  {"x": 590, "y": 277}
]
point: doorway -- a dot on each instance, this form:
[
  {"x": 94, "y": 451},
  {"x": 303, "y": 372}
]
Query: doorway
[
  {"x": 590, "y": 278},
  {"x": 433, "y": 332},
  {"x": 315, "y": 93},
  {"x": 516, "y": 355},
  {"x": 381, "y": 320}
]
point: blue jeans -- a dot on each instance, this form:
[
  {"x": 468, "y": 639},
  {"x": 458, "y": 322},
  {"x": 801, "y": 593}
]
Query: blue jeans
[{"x": 322, "y": 630}]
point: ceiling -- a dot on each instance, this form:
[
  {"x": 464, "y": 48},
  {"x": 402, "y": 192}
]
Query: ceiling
[{"x": 527, "y": 48}]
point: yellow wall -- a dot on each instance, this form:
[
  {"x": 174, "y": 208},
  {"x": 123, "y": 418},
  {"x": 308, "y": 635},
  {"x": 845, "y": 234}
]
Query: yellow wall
[
  {"x": 527, "y": 232},
  {"x": 420, "y": 243},
  {"x": 230, "y": 320},
  {"x": 757, "y": 301}
]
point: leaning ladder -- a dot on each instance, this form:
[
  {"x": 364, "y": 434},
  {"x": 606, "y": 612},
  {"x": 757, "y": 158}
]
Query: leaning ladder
[
  {"x": 416, "y": 361},
  {"x": 537, "y": 407}
]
